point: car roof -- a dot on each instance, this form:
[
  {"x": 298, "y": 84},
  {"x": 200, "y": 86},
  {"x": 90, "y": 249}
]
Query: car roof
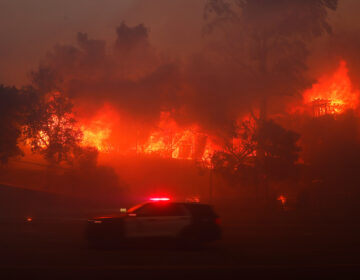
[{"x": 178, "y": 202}]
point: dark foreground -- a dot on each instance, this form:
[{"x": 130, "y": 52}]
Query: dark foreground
[{"x": 55, "y": 249}]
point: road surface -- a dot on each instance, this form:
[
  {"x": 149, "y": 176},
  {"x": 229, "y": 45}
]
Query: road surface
[{"x": 56, "y": 249}]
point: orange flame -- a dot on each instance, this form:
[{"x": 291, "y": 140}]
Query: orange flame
[
  {"x": 332, "y": 94},
  {"x": 170, "y": 140},
  {"x": 282, "y": 199},
  {"x": 95, "y": 136},
  {"x": 97, "y": 131}
]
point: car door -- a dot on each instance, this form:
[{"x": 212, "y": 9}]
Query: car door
[
  {"x": 152, "y": 219},
  {"x": 146, "y": 221},
  {"x": 136, "y": 221},
  {"x": 174, "y": 219}
]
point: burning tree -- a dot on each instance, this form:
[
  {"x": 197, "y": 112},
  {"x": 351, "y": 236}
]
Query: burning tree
[
  {"x": 267, "y": 42},
  {"x": 50, "y": 128},
  {"x": 239, "y": 163}
]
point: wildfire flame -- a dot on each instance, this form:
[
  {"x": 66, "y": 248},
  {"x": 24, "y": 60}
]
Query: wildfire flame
[
  {"x": 97, "y": 130},
  {"x": 96, "y": 137},
  {"x": 170, "y": 140},
  {"x": 282, "y": 199},
  {"x": 167, "y": 139},
  {"x": 332, "y": 94}
]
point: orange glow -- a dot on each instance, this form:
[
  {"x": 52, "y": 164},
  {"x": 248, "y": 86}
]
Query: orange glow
[
  {"x": 166, "y": 140},
  {"x": 332, "y": 94},
  {"x": 95, "y": 136},
  {"x": 282, "y": 199},
  {"x": 194, "y": 199},
  {"x": 97, "y": 130},
  {"x": 29, "y": 219},
  {"x": 176, "y": 144},
  {"x": 44, "y": 139},
  {"x": 105, "y": 132},
  {"x": 171, "y": 141}
]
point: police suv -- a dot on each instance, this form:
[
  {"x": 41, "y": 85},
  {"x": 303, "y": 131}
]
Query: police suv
[{"x": 183, "y": 222}]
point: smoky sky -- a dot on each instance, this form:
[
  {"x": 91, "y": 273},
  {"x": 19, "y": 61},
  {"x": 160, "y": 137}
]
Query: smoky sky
[{"x": 29, "y": 29}]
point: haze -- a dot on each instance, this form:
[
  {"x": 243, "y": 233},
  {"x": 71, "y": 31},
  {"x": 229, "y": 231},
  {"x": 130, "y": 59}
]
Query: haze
[{"x": 29, "y": 29}]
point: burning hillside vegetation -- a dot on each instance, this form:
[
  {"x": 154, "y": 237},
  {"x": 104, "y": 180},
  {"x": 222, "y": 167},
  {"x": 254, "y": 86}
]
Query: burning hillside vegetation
[{"x": 331, "y": 94}]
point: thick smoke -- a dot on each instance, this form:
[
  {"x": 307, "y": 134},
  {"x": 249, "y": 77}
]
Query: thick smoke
[
  {"x": 212, "y": 88},
  {"x": 345, "y": 45},
  {"x": 132, "y": 76}
]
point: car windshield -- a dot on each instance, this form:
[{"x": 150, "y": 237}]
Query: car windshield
[
  {"x": 134, "y": 208},
  {"x": 158, "y": 209}
]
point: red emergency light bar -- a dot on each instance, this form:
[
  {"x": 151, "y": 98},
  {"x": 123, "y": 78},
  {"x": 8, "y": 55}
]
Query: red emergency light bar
[{"x": 159, "y": 199}]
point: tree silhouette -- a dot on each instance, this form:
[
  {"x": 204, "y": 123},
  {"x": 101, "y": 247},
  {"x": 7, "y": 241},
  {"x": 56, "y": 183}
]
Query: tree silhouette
[
  {"x": 268, "y": 40},
  {"x": 10, "y": 123},
  {"x": 239, "y": 165}
]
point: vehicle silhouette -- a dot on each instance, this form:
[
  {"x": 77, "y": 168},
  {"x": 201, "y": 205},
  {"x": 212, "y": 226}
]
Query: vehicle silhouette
[{"x": 181, "y": 223}]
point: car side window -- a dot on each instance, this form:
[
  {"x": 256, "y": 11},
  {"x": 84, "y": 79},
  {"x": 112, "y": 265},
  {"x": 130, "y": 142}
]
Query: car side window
[
  {"x": 177, "y": 210},
  {"x": 160, "y": 209}
]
